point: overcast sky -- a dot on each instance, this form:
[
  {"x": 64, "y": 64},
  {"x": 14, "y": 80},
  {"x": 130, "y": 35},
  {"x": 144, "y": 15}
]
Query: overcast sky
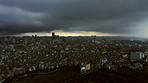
[{"x": 104, "y": 16}]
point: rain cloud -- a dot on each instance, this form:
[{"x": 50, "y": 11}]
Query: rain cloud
[{"x": 105, "y": 16}]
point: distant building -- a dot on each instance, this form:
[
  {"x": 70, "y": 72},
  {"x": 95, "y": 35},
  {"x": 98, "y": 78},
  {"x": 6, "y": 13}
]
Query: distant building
[
  {"x": 87, "y": 67},
  {"x": 35, "y": 35},
  {"x": 146, "y": 60},
  {"x": 136, "y": 55},
  {"x": 11, "y": 47},
  {"x": 53, "y": 34},
  {"x": 104, "y": 61},
  {"x": 41, "y": 65},
  {"x": 83, "y": 70}
]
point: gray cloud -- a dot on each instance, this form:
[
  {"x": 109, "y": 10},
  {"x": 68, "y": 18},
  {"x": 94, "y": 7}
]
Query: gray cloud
[{"x": 108, "y": 16}]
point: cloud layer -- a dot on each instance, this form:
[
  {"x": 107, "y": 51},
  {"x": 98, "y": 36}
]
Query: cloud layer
[{"x": 106, "y": 16}]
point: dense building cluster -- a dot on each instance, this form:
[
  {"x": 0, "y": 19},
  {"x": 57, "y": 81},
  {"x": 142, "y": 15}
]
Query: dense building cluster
[{"x": 21, "y": 54}]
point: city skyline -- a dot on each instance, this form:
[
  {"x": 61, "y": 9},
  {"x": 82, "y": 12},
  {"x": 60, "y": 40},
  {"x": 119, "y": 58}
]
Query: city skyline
[{"x": 75, "y": 33}]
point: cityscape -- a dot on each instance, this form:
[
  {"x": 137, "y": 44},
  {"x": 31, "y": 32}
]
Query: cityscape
[
  {"x": 73, "y": 41},
  {"x": 20, "y": 55}
]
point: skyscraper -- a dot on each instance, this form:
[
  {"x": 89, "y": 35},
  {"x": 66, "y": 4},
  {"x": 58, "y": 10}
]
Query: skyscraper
[{"x": 53, "y": 34}]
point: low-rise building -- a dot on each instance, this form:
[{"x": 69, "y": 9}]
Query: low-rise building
[{"x": 136, "y": 55}]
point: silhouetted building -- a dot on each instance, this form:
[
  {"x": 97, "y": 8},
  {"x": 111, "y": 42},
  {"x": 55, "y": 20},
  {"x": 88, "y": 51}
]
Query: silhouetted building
[
  {"x": 53, "y": 34},
  {"x": 35, "y": 35}
]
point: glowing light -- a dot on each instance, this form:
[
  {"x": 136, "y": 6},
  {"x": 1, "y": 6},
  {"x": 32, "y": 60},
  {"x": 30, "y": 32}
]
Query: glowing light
[{"x": 74, "y": 33}]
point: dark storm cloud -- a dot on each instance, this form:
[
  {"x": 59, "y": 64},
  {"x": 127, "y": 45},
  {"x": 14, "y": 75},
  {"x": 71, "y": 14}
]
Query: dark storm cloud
[{"x": 108, "y": 16}]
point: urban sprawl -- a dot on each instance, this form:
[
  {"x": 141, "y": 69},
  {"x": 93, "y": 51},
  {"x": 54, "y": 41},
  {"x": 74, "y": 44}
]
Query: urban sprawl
[{"x": 21, "y": 54}]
